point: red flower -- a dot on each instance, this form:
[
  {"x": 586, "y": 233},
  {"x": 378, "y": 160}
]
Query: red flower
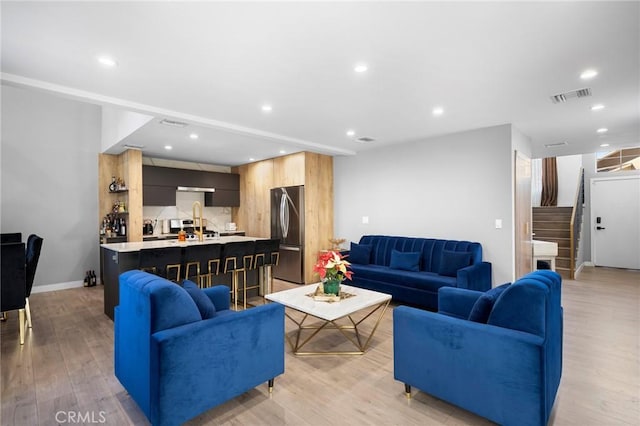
[{"x": 332, "y": 264}]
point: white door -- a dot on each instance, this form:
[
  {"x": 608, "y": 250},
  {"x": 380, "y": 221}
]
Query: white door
[{"x": 615, "y": 227}]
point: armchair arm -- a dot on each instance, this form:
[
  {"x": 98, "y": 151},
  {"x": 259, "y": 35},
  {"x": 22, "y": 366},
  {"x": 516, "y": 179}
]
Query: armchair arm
[
  {"x": 456, "y": 302},
  {"x": 480, "y": 367},
  {"x": 475, "y": 277},
  {"x": 219, "y": 295},
  {"x": 222, "y": 357}
]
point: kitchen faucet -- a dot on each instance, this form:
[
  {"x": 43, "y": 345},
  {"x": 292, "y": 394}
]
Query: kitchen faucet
[{"x": 193, "y": 208}]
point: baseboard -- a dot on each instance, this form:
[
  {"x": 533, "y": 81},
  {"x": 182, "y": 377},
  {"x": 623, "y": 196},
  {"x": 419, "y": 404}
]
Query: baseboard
[
  {"x": 59, "y": 286},
  {"x": 582, "y": 265}
]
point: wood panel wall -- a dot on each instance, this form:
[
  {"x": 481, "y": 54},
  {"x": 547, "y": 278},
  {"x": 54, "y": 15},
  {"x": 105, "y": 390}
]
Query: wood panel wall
[
  {"x": 127, "y": 166},
  {"x": 315, "y": 172}
]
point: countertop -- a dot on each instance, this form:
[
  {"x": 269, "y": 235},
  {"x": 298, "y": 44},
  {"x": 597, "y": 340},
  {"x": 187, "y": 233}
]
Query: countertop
[{"x": 137, "y": 246}]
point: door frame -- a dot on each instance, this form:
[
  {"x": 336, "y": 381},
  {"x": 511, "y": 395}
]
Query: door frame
[{"x": 522, "y": 224}]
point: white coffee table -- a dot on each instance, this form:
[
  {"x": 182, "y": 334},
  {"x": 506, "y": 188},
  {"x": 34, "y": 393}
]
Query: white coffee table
[{"x": 329, "y": 313}]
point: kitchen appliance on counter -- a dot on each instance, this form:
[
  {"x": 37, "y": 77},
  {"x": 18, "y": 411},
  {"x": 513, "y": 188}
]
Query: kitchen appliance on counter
[
  {"x": 147, "y": 227},
  {"x": 188, "y": 225},
  {"x": 287, "y": 224}
]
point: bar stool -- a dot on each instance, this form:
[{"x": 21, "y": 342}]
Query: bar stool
[
  {"x": 202, "y": 262},
  {"x": 238, "y": 257},
  {"x": 267, "y": 255},
  {"x": 164, "y": 262}
]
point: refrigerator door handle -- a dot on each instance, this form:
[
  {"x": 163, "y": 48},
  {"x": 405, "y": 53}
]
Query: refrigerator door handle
[{"x": 284, "y": 215}]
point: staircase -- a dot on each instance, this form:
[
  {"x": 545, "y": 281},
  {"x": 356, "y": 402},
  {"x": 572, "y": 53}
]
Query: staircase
[{"x": 554, "y": 224}]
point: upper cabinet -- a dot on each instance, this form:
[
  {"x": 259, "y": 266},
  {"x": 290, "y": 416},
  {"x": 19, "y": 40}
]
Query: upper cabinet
[{"x": 161, "y": 183}]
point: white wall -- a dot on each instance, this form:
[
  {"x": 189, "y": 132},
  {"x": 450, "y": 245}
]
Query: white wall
[
  {"x": 49, "y": 179},
  {"x": 568, "y": 177},
  {"x": 451, "y": 187}
]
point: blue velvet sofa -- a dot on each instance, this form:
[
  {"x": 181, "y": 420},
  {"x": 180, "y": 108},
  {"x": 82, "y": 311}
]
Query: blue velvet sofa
[
  {"x": 177, "y": 365},
  {"x": 497, "y": 354},
  {"x": 413, "y": 269}
]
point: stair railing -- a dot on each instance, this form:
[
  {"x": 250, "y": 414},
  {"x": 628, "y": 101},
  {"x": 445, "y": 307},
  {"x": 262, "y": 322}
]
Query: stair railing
[{"x": 576, "y": 222}]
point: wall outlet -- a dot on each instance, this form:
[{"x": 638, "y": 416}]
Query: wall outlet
[
  {"x": 365, "y": 219},
  {"x": 498, "y": 223}
]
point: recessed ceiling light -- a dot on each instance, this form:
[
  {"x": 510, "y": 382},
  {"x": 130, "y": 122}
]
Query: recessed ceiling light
[
  {"x": 351, "y": 133},
  {"x": 282, "y": 151},
  {"x": 604, "y": 145},
  {"x": 587, "y": 74},
  {"x": 168, "y": 147},
  {"x": 107, "y": 61},
  {"x": 438, "y": 111},
  {"x": 267, "y": 108},
  {"x": 173, "y": 123},
  {"x": 597, "y": 107},
  {"x": 360, "y": 68},
  {"x": 193, "y": 136},
  {"x": 602, "y": 130},
  {"x": 252, "y": 159}
]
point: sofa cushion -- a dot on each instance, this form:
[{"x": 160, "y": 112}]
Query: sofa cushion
[
  {"x": 406, "y": 261},
  {"x": 360, "y": 254},
  {"x": 427, "y": 281},
  {"x": 483, "y": 306},
  {"x": 452, "y": 261},
  {"x": 204, "y": 304}
]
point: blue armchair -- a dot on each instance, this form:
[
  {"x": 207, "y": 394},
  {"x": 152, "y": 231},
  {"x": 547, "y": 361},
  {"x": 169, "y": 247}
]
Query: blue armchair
[
  {"x": 175, "y": 364},
  {"x": 507, "y": 369}
]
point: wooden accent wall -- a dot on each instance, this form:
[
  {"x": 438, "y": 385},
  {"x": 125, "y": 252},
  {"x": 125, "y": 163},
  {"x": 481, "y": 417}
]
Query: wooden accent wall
[
  {"x": 315, "y": 172},
  {"x": 127, "y": 166},
  {"x": 131, "y": 166}
]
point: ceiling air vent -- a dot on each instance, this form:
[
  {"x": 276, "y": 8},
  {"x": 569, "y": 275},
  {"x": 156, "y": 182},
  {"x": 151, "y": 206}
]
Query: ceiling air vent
[
  {"x": 133, "y": 146},
  {"x": 173, "y": 123},
  {"x": 563, "y": 97},
  {"x": 365, "y": 139},
  {"x": 553, "y": 145}
]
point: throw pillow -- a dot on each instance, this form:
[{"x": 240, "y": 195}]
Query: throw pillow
[
  {"x": 451, "y": 261},
  {"x": 407, "y": 261},
  {"x": 360, "y": 254},
  {"x": 205, "y": 305},
  {"x": 483, "y": 306}
]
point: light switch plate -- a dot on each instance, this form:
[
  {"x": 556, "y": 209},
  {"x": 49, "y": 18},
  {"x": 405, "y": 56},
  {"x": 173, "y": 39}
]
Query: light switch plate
[
  {"x": 498, "y": 223},
  {"x": 365, "y": 219}
]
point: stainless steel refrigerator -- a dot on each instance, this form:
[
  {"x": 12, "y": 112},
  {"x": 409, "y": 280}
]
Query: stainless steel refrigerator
[{"x": 287, "y": 224}]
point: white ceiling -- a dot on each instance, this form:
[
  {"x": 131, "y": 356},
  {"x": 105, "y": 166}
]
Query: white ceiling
[{"x": 214, "y": 65}]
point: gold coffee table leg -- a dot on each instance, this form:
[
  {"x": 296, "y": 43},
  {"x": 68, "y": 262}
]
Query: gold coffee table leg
[{"x": 328, "y": 325}]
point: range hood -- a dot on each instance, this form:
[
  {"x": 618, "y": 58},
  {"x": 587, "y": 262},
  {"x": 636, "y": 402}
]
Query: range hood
[{"x": 195, "y": 189}]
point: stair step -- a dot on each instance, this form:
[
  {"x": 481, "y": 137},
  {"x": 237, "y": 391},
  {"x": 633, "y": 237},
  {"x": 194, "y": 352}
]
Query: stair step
[
  {"x": 563, "y": 251},
  {"x": 551, "y": 224},
  {"x": 563, "y": 262},
  {"x": 564, "y": 273},
  {"x": 552, "y": 218},
  {"x": 551, "y": 233},
  {"x": 550, "y": 209}
]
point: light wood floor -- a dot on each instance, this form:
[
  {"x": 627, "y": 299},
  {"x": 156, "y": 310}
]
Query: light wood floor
[{"x": 66, "y": 364}]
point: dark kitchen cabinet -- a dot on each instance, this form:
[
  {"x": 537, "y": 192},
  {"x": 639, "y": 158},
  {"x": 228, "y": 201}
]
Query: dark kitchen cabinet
[
  {"x": 160, "y": 185},
  {"x": 222, "y": 198},
  {"x": 155, "y": 195}
]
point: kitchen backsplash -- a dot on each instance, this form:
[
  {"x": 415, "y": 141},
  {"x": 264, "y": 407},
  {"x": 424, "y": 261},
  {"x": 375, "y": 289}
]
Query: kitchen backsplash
[{"x": 216, "y": 216}]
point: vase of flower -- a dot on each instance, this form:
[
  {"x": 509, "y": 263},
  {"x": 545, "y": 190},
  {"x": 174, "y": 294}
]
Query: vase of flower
[
  {"x": 333, "y": 269},
  {"x": 331, "y": 286}
]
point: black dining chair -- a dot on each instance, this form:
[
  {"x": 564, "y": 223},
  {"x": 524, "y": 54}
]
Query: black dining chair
[
  {"x": 13, "y": 290},
  {"x": 34, "y": 247},
  {"x": 11, "y": 237}
]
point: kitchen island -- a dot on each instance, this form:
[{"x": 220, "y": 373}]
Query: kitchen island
[{"x": 117, "y": 258}]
